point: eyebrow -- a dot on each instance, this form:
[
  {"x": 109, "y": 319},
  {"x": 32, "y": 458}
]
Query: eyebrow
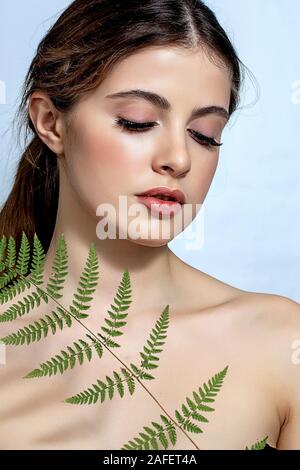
[{"x": 162, "y": 103}]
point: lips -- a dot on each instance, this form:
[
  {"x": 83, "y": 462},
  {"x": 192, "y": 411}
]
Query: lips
[
  {"x": 159, "y": 206},
  {"x": 169, "y": 195}
]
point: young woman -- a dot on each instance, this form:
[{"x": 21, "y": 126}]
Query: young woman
[{"x": 121, "y": 98}]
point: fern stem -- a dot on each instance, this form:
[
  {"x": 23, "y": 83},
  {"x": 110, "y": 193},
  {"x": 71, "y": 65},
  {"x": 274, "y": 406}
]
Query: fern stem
[{"x": 123, "y": 364}]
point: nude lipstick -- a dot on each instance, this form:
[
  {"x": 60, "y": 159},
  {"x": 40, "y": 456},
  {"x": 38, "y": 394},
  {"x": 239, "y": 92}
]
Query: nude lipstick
[{"x": 162, "y": 200}]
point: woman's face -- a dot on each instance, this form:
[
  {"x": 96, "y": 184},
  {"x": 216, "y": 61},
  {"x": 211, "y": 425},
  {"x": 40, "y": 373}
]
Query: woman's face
[{"x": 104, "y": 161}]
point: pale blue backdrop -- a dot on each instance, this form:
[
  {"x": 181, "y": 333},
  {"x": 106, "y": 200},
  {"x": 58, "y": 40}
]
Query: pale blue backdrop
[{"x": 251, "y": 214}]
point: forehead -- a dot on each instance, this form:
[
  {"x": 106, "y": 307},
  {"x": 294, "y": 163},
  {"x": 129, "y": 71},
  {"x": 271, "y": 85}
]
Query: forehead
[{"x": 179, "y": 74}]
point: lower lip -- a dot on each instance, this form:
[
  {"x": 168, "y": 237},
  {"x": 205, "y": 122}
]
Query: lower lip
[{"x": 159, "y": 206}]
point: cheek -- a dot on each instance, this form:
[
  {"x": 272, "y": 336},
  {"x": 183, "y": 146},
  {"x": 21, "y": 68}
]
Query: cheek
[
  {"x": 203, "y": 176},
  {"x": 101, "y": 167},
  {"x": 100, "y": 151},
  {"x": 114, "y": 157}
]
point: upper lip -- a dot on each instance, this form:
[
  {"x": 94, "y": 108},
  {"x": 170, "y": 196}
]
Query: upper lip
[{"x": 172, "y": 192}]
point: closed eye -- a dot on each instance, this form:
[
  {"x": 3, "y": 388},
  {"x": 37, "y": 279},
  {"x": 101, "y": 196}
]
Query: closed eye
[
  {"x": 131, "y": 126},
  {"x": 204, "y": 140}
]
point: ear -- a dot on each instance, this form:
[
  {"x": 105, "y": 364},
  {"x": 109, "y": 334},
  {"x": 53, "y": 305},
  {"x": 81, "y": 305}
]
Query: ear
[{"x": 48, "y": 122}]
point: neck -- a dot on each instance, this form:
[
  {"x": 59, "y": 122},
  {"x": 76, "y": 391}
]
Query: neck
[{"x": 151, "y": 269}]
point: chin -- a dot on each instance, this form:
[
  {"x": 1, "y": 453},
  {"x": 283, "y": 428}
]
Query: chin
[
  {"x": 155, "y": 243},
  {"x": 143, "y": 233}
]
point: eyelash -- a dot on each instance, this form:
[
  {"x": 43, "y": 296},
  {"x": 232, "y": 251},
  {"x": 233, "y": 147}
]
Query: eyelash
[{"x": 131, "y": 126}]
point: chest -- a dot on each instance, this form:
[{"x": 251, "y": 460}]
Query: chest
[{"x": 242, "y": 411}]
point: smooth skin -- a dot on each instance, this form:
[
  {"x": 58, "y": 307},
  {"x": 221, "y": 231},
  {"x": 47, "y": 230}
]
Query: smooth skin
[{"x": 212, "y": 324}]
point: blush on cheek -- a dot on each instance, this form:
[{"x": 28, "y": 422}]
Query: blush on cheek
[
  {"x": 100, "y": 168},
  {"x": 205, "y": 180},
  {"x": 91, "y": 156}
]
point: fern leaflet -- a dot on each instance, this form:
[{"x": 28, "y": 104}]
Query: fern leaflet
[
  {"x": 67, "y": 359},
  {"x": 149, "y": 439},
  {"x": 92, "y": 395},
  {"x": 87, "y": 285},
  {"x": 61, "y": 362},
  {"x": 122, "y": 300},
  {"x": 59, "y": 268},
  {"x": 259, "y": 445},
  {"x": 58, "y": 318},
  {"x": 99, "y": 390},
  {"x": 203, "y": 396}
]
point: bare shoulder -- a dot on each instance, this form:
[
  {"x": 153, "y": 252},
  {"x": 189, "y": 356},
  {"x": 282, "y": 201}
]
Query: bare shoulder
[
  {"x": 259, "y": 308},
  {"x": 270, "y": 327},
  {"x": 270, "y": 321},
  {"x": 275, "y": 324},
  {"x": 276, "y": 313},
  {"x": 199, "y": 288},
  {"x": 273, "y": 318},
  {"x": 260, "y": 334}
]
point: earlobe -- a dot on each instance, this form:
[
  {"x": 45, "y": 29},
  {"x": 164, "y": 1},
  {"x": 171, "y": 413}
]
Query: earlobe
[{"x": 46, "y": 121}]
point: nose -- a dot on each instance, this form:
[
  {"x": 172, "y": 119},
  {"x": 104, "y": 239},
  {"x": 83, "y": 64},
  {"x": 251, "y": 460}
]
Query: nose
[{"x": 173, "y": 157}]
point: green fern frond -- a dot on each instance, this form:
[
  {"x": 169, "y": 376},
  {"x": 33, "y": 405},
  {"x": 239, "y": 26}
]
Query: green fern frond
[
  {"x": 59, "y": 269},
  {"x": 164, "y": 432},
  {"x": 38, "y": 261},
  {"x": 15, "y": 268},
  {"x": 33, "y": 332},
  {"x": 206, "y": 394},
  {"x": 61, "y": 362},
  {"x": 259, "y": 445},
  {"x": 187, "y": 423},
  {"x": 9, "y": 263},
  {"x": 67, "y": 359},
  {"x": 152, "y": 436},
  {"x": 54, "y": 284},
  {"x": 141, "y": 373},
  {"x": 157, "y": 336},
  {"x": 3, "y": 243},
  {"x": 58, "y": 318},
  {"x": 23, "y": 255},
  {"x": 21, "y": 268},
  {"x": 22, "y": 307},
  {"x": 149, "y": 355},
  {"x": 11, "y": 253},
  {"x": 87, "y": 285},
  {"x": 7, "y": 277},
  {"x": 122, "y": 300},
  {"x": 18, "y": 286},
  {"x": 150, "y": 440},
  {"x": 99, "y": 390}
]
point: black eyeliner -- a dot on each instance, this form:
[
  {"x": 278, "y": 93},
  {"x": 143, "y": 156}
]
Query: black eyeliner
[
  {"x": 209, "y": 140},
  {"x": 132, "y": 126}
]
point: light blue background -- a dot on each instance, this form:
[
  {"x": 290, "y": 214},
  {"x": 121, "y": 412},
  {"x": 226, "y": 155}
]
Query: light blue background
[{"x": 251, "y": 218}]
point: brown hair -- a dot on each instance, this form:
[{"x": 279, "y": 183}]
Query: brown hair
[{"x": 73, "y": 58}]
